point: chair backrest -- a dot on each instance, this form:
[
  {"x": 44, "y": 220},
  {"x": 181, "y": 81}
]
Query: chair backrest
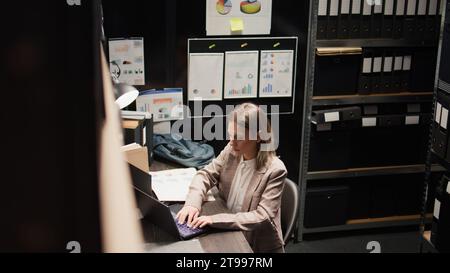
[{"x": 289, "y": 209}]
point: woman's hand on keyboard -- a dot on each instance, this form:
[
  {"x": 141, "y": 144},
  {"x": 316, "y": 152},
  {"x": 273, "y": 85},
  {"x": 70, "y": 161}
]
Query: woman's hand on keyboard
[
  {"x": 188, "y": 213},
  {"x": 202, "y": 222}
]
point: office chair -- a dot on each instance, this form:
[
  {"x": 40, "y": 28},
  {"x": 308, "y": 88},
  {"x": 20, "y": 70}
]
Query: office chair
[{"x": 289, "y": 209}]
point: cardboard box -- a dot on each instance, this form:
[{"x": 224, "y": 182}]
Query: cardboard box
[{"x": 137, "y": 156}]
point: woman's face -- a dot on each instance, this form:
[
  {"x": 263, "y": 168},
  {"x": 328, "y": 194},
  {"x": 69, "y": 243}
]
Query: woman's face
[{"x": 239, "y": 140}]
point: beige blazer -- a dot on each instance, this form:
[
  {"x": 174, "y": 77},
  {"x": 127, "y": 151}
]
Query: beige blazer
[{"x": 260, "y": 217}]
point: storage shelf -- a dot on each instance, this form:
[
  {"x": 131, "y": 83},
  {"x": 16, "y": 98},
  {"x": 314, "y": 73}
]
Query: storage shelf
[
  {"x": 373, "y": 98},
  {"x": 395, "y": 221},
  {"x": 373, "y": 42},
  {"x": 360, "y": 172},
  {"x": 440, "y": 160}
]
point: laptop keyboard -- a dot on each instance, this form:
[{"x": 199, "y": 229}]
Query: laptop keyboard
[{"x": 185, "y": 231}]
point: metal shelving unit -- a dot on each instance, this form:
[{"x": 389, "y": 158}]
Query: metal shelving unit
[
  {"x": 426, "y": 245},
  {"x": 311, "y": 101}
]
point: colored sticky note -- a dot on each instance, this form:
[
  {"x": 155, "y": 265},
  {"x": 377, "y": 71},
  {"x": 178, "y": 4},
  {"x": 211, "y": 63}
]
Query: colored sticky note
[{"x": 236, "y": 24}]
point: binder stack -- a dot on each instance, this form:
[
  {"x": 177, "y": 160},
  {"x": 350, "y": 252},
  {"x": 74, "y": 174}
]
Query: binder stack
[{"x": 414, "y": 20}]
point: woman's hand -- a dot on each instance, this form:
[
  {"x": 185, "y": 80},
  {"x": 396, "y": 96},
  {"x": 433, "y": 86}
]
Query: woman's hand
[
  {"x": 188, "y": 213},
  {"x": 202, "y": 222}
]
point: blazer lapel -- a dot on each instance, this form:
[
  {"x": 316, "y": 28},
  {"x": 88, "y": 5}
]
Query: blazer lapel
[{"x": 254, "y": 183}]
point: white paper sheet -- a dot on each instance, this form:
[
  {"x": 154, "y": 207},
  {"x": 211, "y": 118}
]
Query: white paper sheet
[
  {"x": 276, "y": 75},
  {"x": 369, "y": 122},
  {"x": 345, "y": 6},
  {"x": 173, "y": 185},
  {"x": 323, "y": 6},
  {"x": 438, "y": 113},
  {"x": 411, "y": 9},
  {"x": 356, "y": 7},
  {"x": 448, "y": 188},
  {"x": 444, "y": 118},
  {"x": 388, "y": 7},
  {"x": 164, "y": 105},
  {"x": 332, "y": 117},
  {"x": 126, "y": 57},
  {"x": 407, "y": 63},
  {"x": 398, "y": 65},
  {"x": 367, "y": 65},
  {"x": 412, "y": 120},
  {"x": 400, "y": 7},
  {"x": 432, "y": 8},
  {"x": 241, "y": 74},
  {"x": 205, "y": 76},
  {"x": 388, "y": 64},
  {"x": 255, "y": 15},
  {"x": 437, "y": 209},
  {"x": 377, "y": 64}
]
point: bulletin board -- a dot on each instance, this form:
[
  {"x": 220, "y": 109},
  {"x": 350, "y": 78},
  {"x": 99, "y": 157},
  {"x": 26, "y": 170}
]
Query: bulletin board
[{"x": 258, "y": 70}]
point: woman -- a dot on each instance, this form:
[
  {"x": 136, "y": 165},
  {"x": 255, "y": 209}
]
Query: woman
[{"x": 250, "y": 178}]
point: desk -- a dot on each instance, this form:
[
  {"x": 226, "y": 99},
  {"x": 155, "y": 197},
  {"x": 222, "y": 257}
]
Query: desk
[{"x": 159, "y": 241}]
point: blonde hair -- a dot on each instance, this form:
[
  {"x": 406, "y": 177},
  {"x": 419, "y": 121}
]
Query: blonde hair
[{"x": 249, "y": 116}]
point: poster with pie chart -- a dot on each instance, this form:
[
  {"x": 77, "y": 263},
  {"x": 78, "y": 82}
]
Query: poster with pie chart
[
  {"x": 256, "y": 16},
  {"x": 205, "y": 76}
]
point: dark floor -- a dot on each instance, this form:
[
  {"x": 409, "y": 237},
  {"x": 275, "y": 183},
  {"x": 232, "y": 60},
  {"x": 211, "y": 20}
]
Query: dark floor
[{"x": 391, "y": 241}]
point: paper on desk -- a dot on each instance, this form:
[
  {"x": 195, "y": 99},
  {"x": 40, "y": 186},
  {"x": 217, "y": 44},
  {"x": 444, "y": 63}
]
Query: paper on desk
[{"x": 173, "y": 185}]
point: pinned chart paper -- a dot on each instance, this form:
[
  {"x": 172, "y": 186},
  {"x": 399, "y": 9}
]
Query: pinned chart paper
[
  {"x": 276, "y": 75},
  {"x": 241, "y": 74},
  {"x": 249, "y": 17},
  {"x": 205, "y": 76},
  {"x": 164, "y": 105},
  {"x": 126, "y": 57}
]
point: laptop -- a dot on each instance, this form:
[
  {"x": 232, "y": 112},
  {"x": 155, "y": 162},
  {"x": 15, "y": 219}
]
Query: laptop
[{"x": 164, "y": 217}]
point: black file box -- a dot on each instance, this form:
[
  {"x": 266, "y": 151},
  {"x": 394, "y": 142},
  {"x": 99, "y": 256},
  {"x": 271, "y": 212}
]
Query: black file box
[
  {"x": 329, "y": 150},
  {"x": 410, "y": 28},
  {"x": 440, "y": 133},
  {"x": 388, "y": 144},
  {"x": 397, "y": 30},
  {"x": 423, "y": 70},
  {"x": 366, "y": 26},
  {"x": 337, "y": 73},
  {"x": 382, "y": 201},
  {"x": 344, "y": 114},
  {"x": 421, "y": 24},
  {"x": 377, "y": 19},
  {"x": 326, "y": 206},
  {"x": 359, "y": 199},
  {"x": 444, "y": 69},
  {"x": 355, "y": 26},
  {"x": 332, "y": 27},
  {"x": 440, "y": 237},
  {"x": 344, "y": 26},
  {"x": 387, "y": 27},
  {"x": 439, "y": 141},
  {"x": 409, "y": 194},
  {"x": 431, "y": 29},
  {"x": 322, "y": 23}
]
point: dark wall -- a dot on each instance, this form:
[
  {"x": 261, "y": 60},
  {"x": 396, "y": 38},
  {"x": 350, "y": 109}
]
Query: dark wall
[{"x": 166, "y": 27}]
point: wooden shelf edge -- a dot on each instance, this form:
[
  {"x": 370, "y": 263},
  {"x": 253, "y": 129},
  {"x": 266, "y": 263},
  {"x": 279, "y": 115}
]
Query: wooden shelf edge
[
  {"x": 385, "y": 219},
  {"x": 401, "y": 94}
]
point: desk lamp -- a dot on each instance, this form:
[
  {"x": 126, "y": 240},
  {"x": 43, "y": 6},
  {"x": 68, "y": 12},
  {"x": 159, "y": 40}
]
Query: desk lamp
[{"x": 125, "y": 94}]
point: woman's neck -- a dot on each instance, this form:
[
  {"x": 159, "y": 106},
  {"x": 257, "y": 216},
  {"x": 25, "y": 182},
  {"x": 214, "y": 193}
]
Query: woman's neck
[{"x": 250, "y": 156}]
